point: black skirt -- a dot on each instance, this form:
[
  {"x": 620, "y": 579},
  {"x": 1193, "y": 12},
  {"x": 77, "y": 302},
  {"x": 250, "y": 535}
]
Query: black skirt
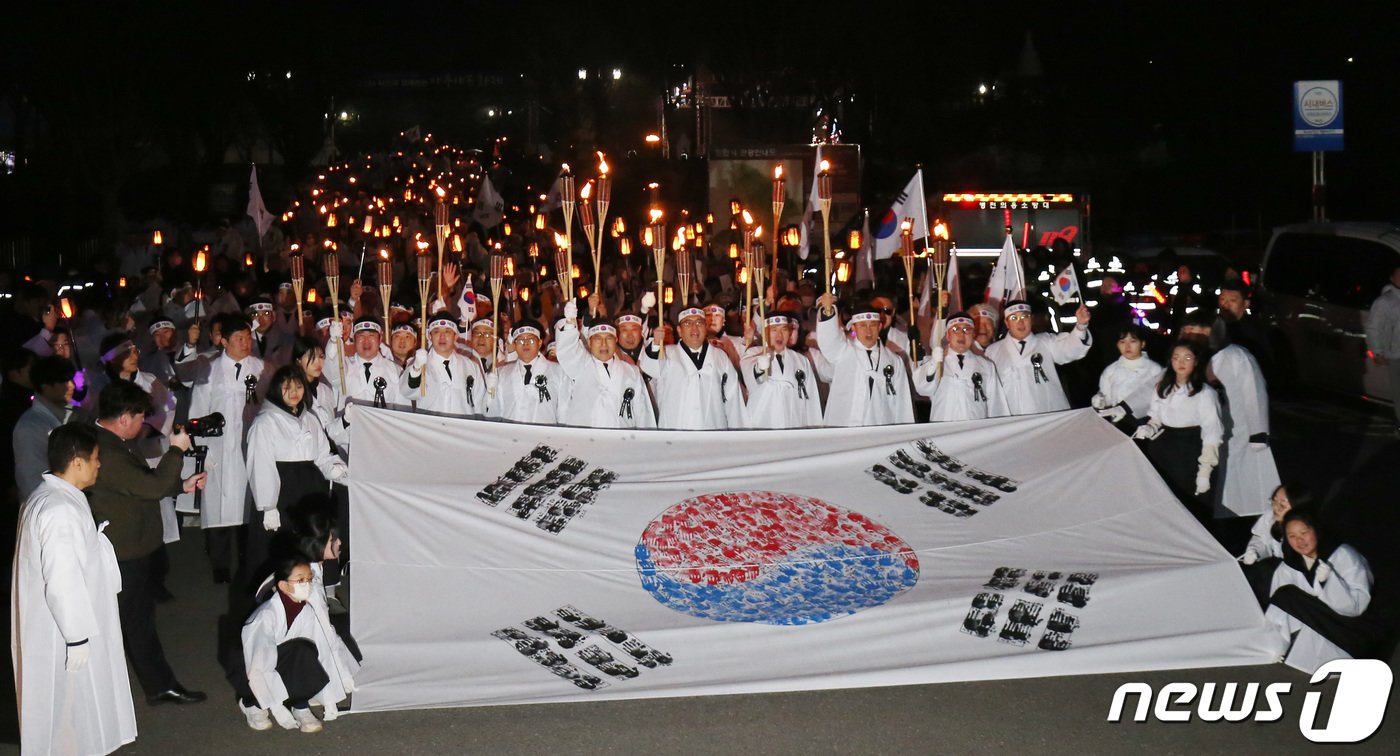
[{"x": 1176, "y": 455}]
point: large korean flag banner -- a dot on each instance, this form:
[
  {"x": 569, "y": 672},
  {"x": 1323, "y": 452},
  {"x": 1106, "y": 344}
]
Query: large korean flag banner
[{"x": 497, "y": 563}]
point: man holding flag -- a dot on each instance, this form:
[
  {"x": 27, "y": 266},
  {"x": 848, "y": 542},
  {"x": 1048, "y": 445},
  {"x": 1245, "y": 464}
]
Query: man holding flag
[{"x": 1026, "y": 361}]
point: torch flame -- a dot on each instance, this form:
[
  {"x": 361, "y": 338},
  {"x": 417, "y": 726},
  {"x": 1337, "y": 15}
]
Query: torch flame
[
  {"x": 940, "y": 230},
  {"x": 586, "y": 191},
  {"x": 560, "y": 240},
  {"x": 748, "y": 219},
  {"x": 67, "y": 308},
  {"x": 201, "y": 261},
  {"x": 383, "y": 254},
  {"x": 758, "y": 232},
  {"x": 440, "y": 192},
  {"x": 656, "y": 214},
  {"x": 906, "y": 226},
  {"x": 602, "y": 164},
  {"x": 778, "y": 173},
  {"x": 566, "y": 170},
  {"x": 646, "y": 235}
]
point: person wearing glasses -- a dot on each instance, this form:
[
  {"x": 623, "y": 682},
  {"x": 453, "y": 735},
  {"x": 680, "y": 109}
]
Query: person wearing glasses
[
  {"x": 968, "y": 388},
  {"x": 893, "y": 332},
  {"x": 1026, "y": 361},
  {"x": 782, "y": 382}
]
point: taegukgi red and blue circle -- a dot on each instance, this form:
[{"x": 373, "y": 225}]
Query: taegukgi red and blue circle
[{"x": 776, "y": 558}]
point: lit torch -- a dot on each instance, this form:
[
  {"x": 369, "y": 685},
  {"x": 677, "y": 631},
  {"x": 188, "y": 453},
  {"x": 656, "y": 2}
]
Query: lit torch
[
  {"x": 779, "y": 198},
  {"x": 330, "y": 264},
  {"x": 498, "y": 272},
  {"x": 824, "y": 205},
  {"x": 906, "y": 247},
  {"x": 587, "y": 220},
  {"x": 443, "y": 229},
  {"x": 939, "y": 261},
  {"x": 386, "y": 285},
  {"x": 567, "y": 201},
  {"x": 298, "y": 265},
  {"x": 655, "y": 237}
]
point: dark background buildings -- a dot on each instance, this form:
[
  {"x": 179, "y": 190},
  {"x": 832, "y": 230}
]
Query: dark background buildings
[{"x": 1175, "y": 117}]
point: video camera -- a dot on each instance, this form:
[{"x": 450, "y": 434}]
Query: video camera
[{"x": 209, "y": 426}]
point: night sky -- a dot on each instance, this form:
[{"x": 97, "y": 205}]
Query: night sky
[{"x": 1176, "y": 117}]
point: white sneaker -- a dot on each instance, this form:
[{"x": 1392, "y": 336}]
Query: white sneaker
[
  {"x": 258, "y": 719},
  {"x": 306, "y": 721}
]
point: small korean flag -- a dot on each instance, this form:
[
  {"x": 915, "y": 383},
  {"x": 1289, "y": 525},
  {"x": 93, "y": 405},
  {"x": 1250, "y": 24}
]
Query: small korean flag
[{"x": 1066, "y": 286}]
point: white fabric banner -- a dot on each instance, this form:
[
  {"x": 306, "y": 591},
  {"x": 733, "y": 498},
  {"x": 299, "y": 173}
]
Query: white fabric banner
[{"x": 498, "y": 563}]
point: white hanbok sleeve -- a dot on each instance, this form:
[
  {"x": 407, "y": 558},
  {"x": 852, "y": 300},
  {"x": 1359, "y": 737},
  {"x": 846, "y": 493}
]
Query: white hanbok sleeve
[
  {"x": 1244, "y": 388},
  {"x": 573, "y": 357},
  {"x": 1208, "y": 415},
  {"x": 1070, "y": 345},
  {"x": 1348, "y": 590},
  {"x": 62, "y": 558},
  {"x": 832, "y": 340},
  {"x": 263, "y": 452}
]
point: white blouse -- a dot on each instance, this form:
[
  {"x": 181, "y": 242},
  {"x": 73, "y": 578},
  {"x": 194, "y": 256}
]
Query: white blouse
[{"x": 1180, "y": 409}]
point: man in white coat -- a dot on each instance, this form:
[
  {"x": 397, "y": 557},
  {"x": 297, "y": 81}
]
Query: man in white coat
[
  {"x": 531, "y": 389},
  {"x": 968, "y": 388},
  {"x": 782, "y": 383},
  {"x": 1026, "y": 361},
  {"x": 65, "y": 634},
  {"x": 230, "y": 385},
  {"x": 370, "y": 374},
  {"x": 607, "y": 392},
  {"x": 696, "y": 386},
  {"x": 1251, "y": 474},
  {"x": 444, "y": 381},
  {"x": 869, "y": 385}
]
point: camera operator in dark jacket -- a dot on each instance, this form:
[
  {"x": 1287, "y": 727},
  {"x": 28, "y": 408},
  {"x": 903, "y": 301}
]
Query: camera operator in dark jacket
[{"x": 127, "y": 497}]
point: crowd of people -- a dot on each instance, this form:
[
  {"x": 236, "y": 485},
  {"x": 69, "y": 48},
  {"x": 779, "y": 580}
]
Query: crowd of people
[{"x": 211, "y": 397}]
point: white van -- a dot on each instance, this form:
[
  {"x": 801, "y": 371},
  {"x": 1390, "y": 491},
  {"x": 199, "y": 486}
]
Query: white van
[{"x": 1317, "y": 285}]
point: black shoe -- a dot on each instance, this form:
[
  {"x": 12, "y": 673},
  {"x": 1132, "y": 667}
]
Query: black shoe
[
  {"x": 221, "y": 575},
  {"x": 161, "y": 594},
  {"x": 177, "y": 695}
]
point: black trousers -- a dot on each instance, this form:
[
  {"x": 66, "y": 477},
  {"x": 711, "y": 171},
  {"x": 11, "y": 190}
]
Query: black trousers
[
  {"x": 1261, "y": 577},
  {"x": 299, "y": 666},
  {"x": 1358, "y": 636},
  {"x": 223, "y": 546},
  {"x": 300, "y": 482},
  {"x": 137, "y": 610}
]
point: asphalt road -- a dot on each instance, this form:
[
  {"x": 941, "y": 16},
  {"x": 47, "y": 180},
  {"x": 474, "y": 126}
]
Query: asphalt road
[{"x": 1343, "y": 449}]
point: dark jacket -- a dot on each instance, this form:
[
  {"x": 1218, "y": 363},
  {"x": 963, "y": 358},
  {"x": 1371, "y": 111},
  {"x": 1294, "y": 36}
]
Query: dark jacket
[{"x": 127, "y": 494}]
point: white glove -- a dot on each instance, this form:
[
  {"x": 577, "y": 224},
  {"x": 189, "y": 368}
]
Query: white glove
[
  {"x": 1099, "y": 402},
  {"x": 420, "y": 361},
  {"x": 1324, "y": 571},
  {"x": 1249, "y": 557},
  {"x": 765, "y": 363},
  {"x": 1112, "y": 414},
  {"x": 78, "y": 655},
  {"x": 348, "y": 413},
  {"x": 648, "y": 302},
  {"x": 492, "y": 380},
  {"x": 936, "y": 355},
  {"x": 337, "y": 329},
  {"x": 1147, "y": 432},
  {"x": 272, "y": 520},
  {"x": 339, "y": 472},
  {"x": 929, "y": 369},
  {"x": 571, "y": 311},
  {"x": 284, "y": 717},
  {"x": 1202, "y": 482}
]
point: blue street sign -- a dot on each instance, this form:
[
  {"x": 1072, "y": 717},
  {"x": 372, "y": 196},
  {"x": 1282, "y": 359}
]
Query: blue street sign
[{"x": 1317, "y": 116}]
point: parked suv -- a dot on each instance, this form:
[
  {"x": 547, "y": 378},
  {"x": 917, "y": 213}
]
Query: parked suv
[{"x": 1318, "y": 282}]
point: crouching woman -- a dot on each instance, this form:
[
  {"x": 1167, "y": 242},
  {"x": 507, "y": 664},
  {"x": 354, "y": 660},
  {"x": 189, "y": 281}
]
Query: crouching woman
[{"x": 294, "y": 657}]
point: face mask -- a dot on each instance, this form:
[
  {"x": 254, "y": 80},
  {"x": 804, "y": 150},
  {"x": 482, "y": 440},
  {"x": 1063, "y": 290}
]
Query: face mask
[{"x": 301, "y": 592}]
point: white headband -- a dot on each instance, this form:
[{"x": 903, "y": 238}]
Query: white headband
[
  {"x": 111, "y": 354},
  {"x": 629, "y": 319},
  {"x": 715, "y": 308},
  {"x": 323, "y": 323},
  {"x": 1019, "y": 307},
  {"x": 282, "y": 286},
  {"x": 404, "y": 327},
  {"x": 961, "y": 319},
  {"x": 525, "y": 331},
  {"x": 368, "y": 326},
  {"x": 690, "y": 312},
  {"x": 600, "y": 328},
  {"x": 442, "y": 323},
  {"x": 260, "y": 307},
  {"x": 159, "y": 324},
  {"x": 862, "y": 317},
  {"x": 779, "y": 320},
  {"x": 487, "y": 322}
]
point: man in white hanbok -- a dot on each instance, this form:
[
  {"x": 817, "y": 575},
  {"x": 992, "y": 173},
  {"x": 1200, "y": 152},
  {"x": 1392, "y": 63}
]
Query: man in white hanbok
[
  {"x": 230, "y": 385},
  {"x": 695, "y": 382},
  {"x": 1026, "y": 361},
  {"x": 782, "y": 382},
  {"x": 370, "y": 374},
  {"x": 444, "y": 380},
  {"x": 1251, "y": 474},
  {"x": 531, "y": 389},
  {"x": 65, "y": 634},
  {"x": 968, "y": 388},
  {"x": 607, "y": 391},
  {"x": 869, "y": 384}
]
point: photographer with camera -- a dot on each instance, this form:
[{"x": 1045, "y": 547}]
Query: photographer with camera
[
  {"x": 227, "y": 385},
  {"x": 127, "y": 495}
]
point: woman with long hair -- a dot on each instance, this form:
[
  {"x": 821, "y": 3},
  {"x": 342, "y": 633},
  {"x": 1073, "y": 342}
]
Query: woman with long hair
[{"x": 1183, "y": 431}]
